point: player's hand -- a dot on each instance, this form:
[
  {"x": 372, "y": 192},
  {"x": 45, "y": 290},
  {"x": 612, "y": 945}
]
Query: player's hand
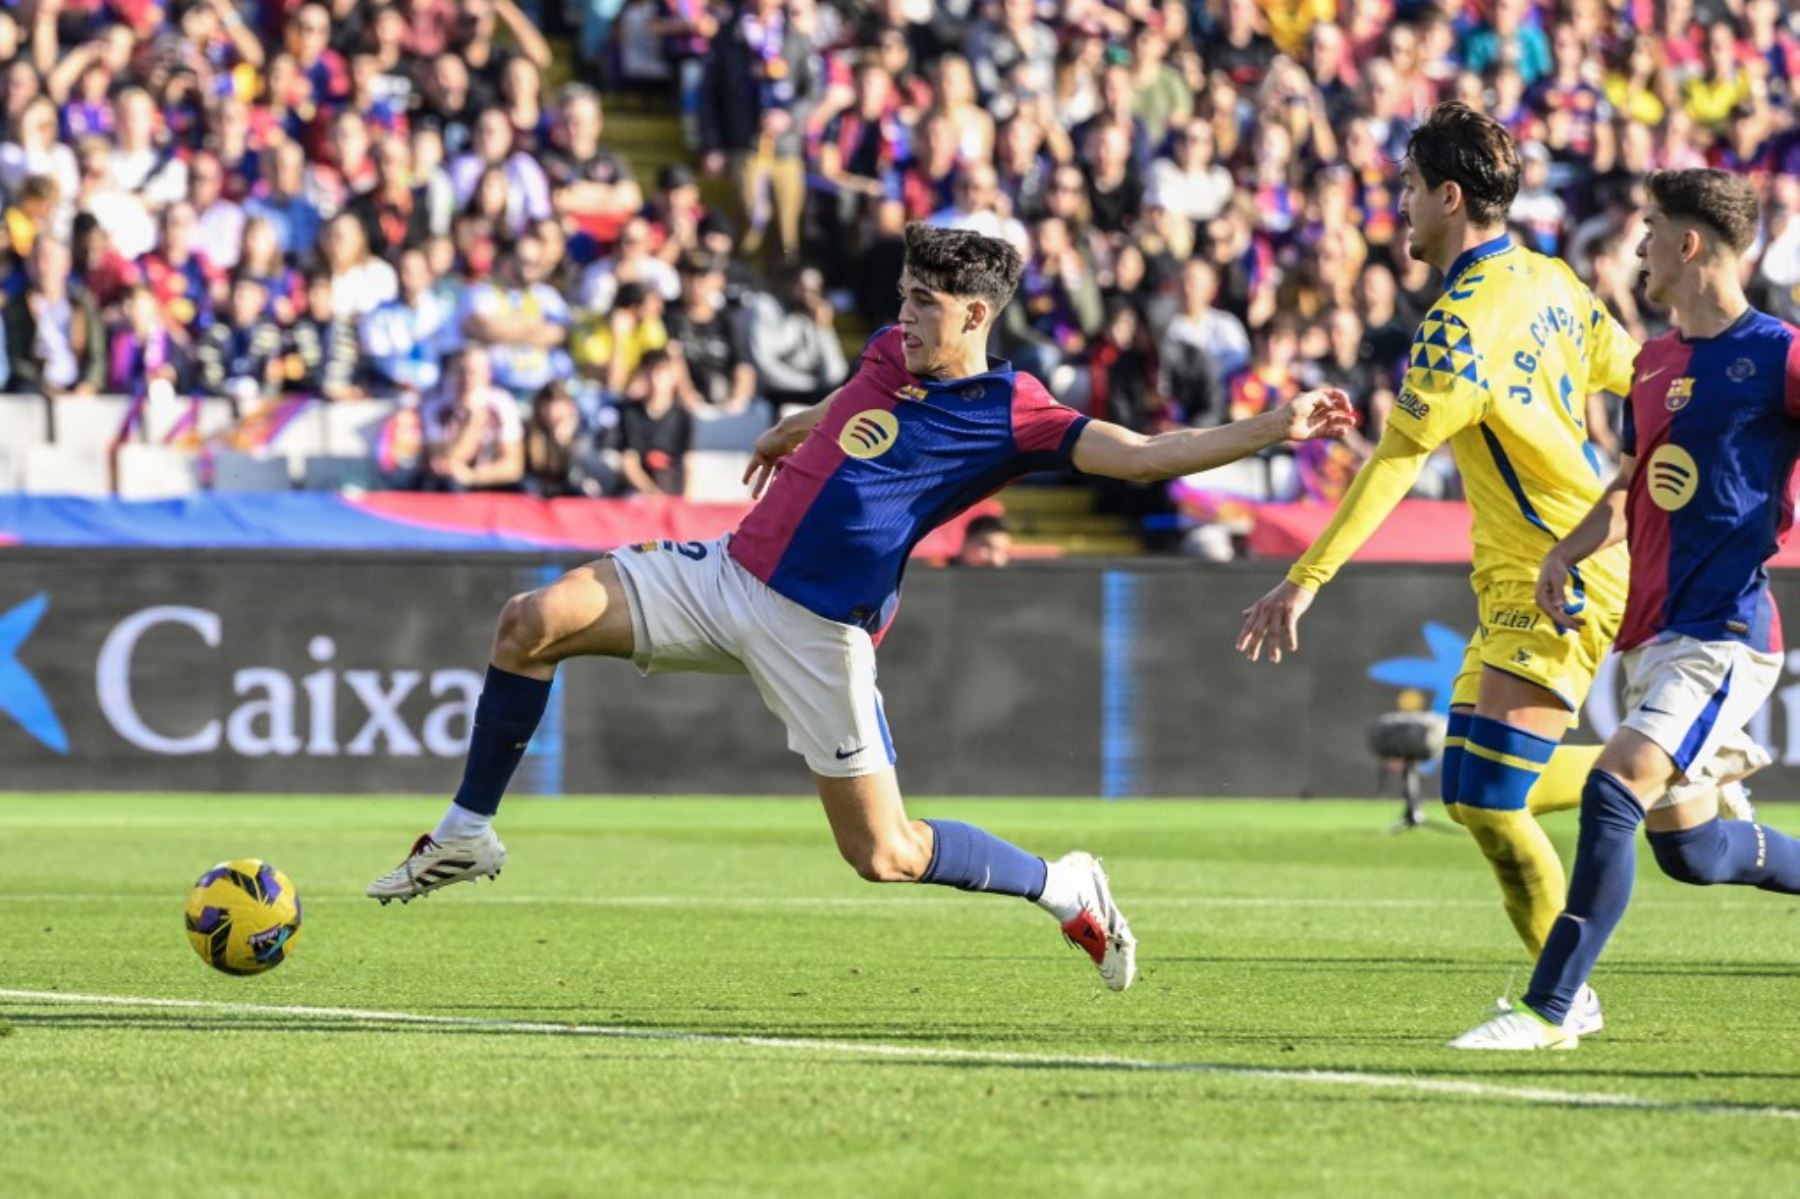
[
  {"x": 1553, "y": 595},
  {"x": 776, "y": 443},
  {"x": 1274, "y": 621},
  {"x": 1326, "y": 412}
]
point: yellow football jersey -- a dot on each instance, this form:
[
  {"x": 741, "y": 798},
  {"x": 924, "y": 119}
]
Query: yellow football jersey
[{"x": 1501, "y": 368}]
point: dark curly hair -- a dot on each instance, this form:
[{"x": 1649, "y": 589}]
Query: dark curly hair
[
  {"x": 1723, "y": 202},
  {"x": 964, "y": 264},
  {"x": 1458, "y": 145}
]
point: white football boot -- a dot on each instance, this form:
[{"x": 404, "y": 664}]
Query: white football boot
[
  {"x": 1517, "y": 1029},
  {"x": 430, "y": 866},
  {"x": 1585, "y": 1018},
  {"x": 1099, "y": 927}
]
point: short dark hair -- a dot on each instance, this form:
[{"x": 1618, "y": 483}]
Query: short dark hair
[
  {"x": 963, "y": 263},
  {"x": 1458, "y": 145},
  {"x": 985, "y": 524},
  {"x": 1723, "y": 202}
]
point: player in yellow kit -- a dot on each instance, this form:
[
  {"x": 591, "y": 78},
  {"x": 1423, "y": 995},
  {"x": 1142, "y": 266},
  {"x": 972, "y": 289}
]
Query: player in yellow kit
[{"x": 1501, "y": 368}]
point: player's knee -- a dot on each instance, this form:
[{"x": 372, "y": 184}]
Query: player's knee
[
  {"x": 521, "y": 635},
  {"x": 1699, "y": 861}
]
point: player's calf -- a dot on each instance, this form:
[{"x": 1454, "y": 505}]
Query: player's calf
[{"x": 1729, "y": 852}]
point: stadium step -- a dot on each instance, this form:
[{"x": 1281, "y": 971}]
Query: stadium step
[{"x": 1063, "y": 516}]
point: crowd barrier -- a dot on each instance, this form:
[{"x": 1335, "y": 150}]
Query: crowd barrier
[{"x": 331, "y": 672}]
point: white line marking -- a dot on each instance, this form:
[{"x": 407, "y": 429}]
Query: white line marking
[{"x": 975, "y": 1057}]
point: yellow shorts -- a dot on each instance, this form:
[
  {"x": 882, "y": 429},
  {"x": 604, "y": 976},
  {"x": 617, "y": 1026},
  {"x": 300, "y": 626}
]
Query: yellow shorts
[{"x": 1517, "y": 638}]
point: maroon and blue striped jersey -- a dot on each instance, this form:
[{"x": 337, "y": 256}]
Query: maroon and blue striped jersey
[
  {"x": 896, "y": 456},
  {"x": 1714, "y": 424}
]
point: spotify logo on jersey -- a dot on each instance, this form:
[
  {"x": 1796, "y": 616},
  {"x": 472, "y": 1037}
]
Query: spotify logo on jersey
[
  {"x": 1673, "y": 477},
  {"x": 869, "y": 434}
]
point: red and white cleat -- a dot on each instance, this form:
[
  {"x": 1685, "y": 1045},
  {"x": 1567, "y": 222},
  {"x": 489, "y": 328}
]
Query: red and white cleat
[{"x": 1099, "y": 928}]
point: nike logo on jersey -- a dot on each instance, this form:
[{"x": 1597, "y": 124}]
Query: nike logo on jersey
[
  {"x": 1653, "y": 374},
  {"x": 844, "y": 754},
  {"x": 1656, "y": 711}
]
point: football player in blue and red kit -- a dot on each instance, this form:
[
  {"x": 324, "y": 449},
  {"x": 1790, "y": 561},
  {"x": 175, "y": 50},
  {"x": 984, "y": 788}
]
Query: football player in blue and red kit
[
  {"x": 800, "y": 594},
  {"x": 1704, "y": 495}
]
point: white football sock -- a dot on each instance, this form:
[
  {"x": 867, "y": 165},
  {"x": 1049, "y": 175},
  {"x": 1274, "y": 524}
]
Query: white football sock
[
  {"x": 458, "y": 823},
  {"x": 1063, "y": 890}
]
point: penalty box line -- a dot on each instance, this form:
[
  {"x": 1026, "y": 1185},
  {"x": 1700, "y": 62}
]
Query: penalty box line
[{"x": 1538, "y": 1096}]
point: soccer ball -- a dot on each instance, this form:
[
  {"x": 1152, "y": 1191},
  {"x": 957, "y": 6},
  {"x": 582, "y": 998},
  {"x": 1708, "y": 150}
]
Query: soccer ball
[{"x": 243, "y": 916}]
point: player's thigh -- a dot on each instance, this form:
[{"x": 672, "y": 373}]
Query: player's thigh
[
  {"x": 1532, "y": 676},
  {"x": 585, "y": 612},
  {"x": 818, "y": 677},
  {"x": 1693, "y": 700}
]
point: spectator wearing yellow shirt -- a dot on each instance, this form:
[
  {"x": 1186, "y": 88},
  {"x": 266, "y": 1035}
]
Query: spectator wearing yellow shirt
[
  {"x": 1289, "y": 21},
  {"x": 609, "y": 347},
  {"x": 1710, "y": 96},
  {"x": 1634, "y": 86}
]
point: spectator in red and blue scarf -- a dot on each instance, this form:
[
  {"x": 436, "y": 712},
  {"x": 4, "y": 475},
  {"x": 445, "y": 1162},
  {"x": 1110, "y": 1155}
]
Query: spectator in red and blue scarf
[
  {"x": 142, "y": 350},
  {"x": 179, "y": 274}
]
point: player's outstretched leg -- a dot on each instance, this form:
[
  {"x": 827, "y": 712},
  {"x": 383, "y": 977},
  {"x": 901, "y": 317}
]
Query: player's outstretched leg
[
  {"x": 876, "y": 837},
  {"x": 584, "y": 612}
]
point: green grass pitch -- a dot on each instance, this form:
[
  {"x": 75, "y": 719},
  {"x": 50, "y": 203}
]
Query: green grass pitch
[{"x": 1300, "y": 971}]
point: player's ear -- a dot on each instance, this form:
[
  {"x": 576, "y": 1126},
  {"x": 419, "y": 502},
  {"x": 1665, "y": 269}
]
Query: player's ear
[{"x": 975, "y": 315}]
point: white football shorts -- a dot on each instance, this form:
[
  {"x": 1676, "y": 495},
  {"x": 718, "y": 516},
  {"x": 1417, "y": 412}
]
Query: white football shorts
[
  {"x": 1695, "y": 699},
  {"x": 693, "y": 608}
]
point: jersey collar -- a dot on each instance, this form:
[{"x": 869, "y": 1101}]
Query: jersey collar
[{"x": 1475, "y": 254}]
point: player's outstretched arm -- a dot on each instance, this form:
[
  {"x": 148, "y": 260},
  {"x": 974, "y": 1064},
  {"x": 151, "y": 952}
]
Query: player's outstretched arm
[
  {"x": 1602, "y": 528},
  {"x": 1273, "y": 622},
  {"x": 1117, "y": 453},
  {"x": 781, "y": 439}
]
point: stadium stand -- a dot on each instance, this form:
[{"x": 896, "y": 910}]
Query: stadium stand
[{"x": 252, "y": 236}]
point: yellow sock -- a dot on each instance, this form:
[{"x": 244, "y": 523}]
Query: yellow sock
[
  {"x": 1530, "y": 874},
  {"x": 1558, "y": 788}
]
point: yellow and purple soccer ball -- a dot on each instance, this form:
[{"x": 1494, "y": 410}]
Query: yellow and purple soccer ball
[{"x": 243, "y": 916}]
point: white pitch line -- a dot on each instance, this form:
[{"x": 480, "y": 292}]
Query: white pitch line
[{"x": 1545, "y": 1096}]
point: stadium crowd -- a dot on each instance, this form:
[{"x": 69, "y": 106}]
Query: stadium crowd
[{"x": 268, "y": 199}]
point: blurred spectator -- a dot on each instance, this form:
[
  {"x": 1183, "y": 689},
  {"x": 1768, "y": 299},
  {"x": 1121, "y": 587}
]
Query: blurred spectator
[
  {"x": 998, "y": 43},
  {"x": 655, "y": 432},
  {"x": 527, "y": 191},
  {"x": 55, "y": 341},
  {"x": 185, "y": 283},
  {"x": 321, "y": 356},
  {"x": 1537, "y": 208},
  {"x": 142, "y": 351},
  {"x": 609, "y": 346},
  {"x": 1272, "y": 378},
  {"x": 592, "y": 186},
  {"x": 474, "y": 440},
  {"x": 522, "y": 320},
  {"x": 239, "y": 355},
  {"x": 793, "y": 340},
  {"x": 404, "y": 341},
  {"x": 1507, "y": 37},
  {"x": 1188, "y": 180},
  {"x": 219, "y": 220},
  {"x": 1058, "y": 307},
  {"x": 395, "y": 214},
  {"x": 359, "y": 280},
  {"x": 716, "y": 364},
  {"x": 987, "y": 542},
  {"x": 760, "y": 87},
  {"x": 1217, "y": 334},
  {"x": 978, "y": 206},
  {"x": 31, "y": 215},
  {"x": 633, "y": 262},
  {"x": 280, "y": 197},
  {"x": 558, "y": 460},
  {"x": 1348, "y": 366},
  {"x": 32, "y": 149}
]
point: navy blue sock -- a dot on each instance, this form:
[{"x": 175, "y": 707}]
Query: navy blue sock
[
  {"x": 972, "y": 859},
  {"x": 505, "y": 717},
  {"x": 1599, "y": 890},
  {"x": 1730, "y": 851}
]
